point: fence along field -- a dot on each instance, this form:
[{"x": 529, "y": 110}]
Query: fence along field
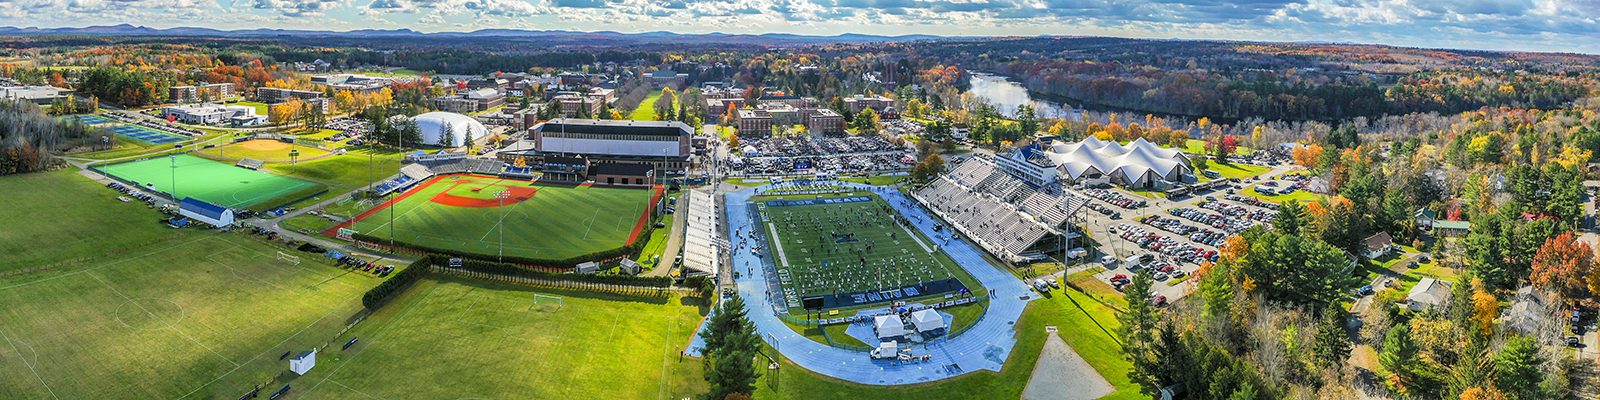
[{"x": 459, "y": 213}]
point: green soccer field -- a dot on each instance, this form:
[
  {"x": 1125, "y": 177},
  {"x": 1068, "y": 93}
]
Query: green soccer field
[
  {"x": 846, "y": 247},
  {"x": 214, "y": 182},
  {"x": 459, "y": 212},
  {"x": 473, "y": 340},
  {"x": 103, "y": 302}
]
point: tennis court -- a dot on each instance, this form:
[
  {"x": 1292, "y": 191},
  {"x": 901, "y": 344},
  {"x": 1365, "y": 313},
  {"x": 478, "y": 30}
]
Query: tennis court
[
  {"x": 208, "y": 180},
  {"x": 147, "y": 135},
  {"x": 92, "y": 119}
]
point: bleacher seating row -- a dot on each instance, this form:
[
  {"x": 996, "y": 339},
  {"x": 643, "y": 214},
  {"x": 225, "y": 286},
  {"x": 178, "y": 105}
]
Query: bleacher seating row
[
  {"x": 997, "y": 211},
  {"x": 249, "y": 163}
]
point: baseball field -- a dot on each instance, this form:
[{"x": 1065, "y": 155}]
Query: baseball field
[
  {"x": 541, "y": 221},
  {"x": 215, "y": 182}
]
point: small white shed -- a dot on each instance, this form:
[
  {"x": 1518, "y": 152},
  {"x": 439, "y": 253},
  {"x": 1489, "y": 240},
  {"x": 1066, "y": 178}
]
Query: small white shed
[{"x": 302, "y": 363}]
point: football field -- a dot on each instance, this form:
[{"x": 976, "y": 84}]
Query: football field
[
  {"x": 461, "y": 213},
  {"x": 839, "y": 245},
  {"x": 214, "y": 182}
]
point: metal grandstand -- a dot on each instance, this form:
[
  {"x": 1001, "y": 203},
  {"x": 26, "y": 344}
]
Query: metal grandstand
[{"x": 1001, "y": 213}]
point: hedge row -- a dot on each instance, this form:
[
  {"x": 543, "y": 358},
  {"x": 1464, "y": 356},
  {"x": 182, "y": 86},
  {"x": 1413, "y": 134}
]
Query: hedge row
[
  {"x": 566, "y": 263},
  {"x": 408, "y": 275},
  {"x": 511, "y": 270}
]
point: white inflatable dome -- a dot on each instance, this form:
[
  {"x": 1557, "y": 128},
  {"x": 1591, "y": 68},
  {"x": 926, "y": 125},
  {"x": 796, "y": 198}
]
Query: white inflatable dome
[{"x": 432, "y": 125}]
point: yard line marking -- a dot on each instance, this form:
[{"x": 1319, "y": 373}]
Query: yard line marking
[
  {"x": 30, "y": 367},
  {"x": 666, "y": 357},
  {"x": 915, "y": 237},
  {"x": 163, "y": 321}
]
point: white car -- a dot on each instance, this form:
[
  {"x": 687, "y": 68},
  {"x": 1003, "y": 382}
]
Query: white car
[{"x": 1041, "y": 286}]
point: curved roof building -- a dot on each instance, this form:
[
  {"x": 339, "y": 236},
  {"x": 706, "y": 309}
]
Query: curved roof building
[
  {"x": 1138, "y": 163},
  {"x": 433, "y": 126}
]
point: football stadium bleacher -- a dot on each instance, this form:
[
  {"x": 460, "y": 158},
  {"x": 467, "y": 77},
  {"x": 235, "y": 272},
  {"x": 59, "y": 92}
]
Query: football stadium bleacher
[{"x": 999, "y": 212}]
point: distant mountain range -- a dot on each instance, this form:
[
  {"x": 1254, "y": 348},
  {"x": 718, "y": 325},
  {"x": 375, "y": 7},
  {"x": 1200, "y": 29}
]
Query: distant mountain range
[{"x": 769, "y": 38}]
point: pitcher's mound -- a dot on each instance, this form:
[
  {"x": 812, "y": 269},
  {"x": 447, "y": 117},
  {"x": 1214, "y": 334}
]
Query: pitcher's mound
[
  {"x": 1063, "y": 375},
  {"x": 263, "y": 145}
]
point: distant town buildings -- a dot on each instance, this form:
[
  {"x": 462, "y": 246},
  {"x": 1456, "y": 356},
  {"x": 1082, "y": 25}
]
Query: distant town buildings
[
  {"x": 278, "y": 95},
  {"x": 353, "y": 82}
]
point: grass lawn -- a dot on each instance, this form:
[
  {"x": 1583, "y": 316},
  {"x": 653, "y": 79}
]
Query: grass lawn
[
  {"x": 1299, "y": 195},
  {"x": 1097, "y": 288},
  {"x": 71, "y": 214},
  {"x": 474, "y": 340},
  {"x": 1236, "y": 170},
  {"x": 460, "y": 212},
  {"x": 646, "y": 111},
  {"x": 261, "y": 108},
  {"x": 655, "y": 244},
  {"x": 145, "y": 311},
  {"x": 212, "y": 181},
  {"x": 1197, "y": 146},
  {"x": 1084, "y": 324}
]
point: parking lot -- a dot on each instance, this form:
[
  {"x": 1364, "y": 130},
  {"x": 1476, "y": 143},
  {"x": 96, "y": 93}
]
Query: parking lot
[{"x": 1168, "y": 238}]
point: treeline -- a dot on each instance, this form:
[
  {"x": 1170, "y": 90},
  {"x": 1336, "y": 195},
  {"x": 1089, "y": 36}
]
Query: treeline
[
  {"x": 456, "y": 61},
  {"x": 123, "y": 87},
  {"x": 516, "y": 271},
  {"x": 27, "y": 136},
  {"x": 408, "y": 275}
]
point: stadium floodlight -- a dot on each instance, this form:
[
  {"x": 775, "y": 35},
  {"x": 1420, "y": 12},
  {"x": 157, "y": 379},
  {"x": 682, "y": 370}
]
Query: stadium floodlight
[{"x": 501, "y": 226}]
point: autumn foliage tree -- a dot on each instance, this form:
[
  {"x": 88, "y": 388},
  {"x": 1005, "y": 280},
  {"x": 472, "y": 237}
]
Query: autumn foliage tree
[{"x": 1565, "y": 265}]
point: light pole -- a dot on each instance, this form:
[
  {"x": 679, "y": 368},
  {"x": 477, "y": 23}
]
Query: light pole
[
  {"x": 174, "y": 159},
  {"x": 501, "y": 227}
]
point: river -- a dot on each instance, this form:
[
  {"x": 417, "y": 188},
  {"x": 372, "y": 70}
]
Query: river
[{"x": 1006, "y": 95}]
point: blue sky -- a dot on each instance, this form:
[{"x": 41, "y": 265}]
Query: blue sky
[{"x": 1533, "y": 25}]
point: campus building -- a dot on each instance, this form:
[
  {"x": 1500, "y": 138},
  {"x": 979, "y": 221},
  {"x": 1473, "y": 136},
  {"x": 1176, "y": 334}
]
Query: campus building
[
  {"x": 214, "y": 114},
  {"x": 471, "y": 101},
  {"x": 278, "y": 95},
  {"x": 353, "y": 82},
  {"x": 192, "y": 93},
  {"x": 35, "y": 94},
  {"x": 1139, "y": 164},
  {"x": 664, "y": 146}
]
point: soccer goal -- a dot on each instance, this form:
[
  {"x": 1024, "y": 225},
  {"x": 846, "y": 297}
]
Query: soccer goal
[
  {"x": 289, "y": 258},
  {"x": 547, "y": 303}
]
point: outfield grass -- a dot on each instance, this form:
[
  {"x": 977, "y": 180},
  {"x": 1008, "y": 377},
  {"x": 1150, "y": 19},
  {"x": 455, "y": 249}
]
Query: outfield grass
[
  {"x": 556, "y": 222},
  {"x": 1088, "y": 326},
  {"x": 72, "y": 215},
  {"x": 212, "y": 181},
  {"x": 350, "y": 171},
  {"x": 473, "y": 340},
  {"x": 234, "y": 152},
  {"x": 145, "y": 311}
]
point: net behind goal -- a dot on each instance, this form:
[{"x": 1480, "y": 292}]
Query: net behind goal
[
  {"x": 289, "y": 258},
  {"x": 547, "y": 303}
]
